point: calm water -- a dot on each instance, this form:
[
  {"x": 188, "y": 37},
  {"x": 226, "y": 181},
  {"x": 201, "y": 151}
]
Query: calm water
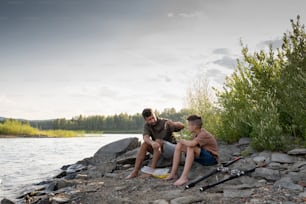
[{"x": 25, "y": 161}]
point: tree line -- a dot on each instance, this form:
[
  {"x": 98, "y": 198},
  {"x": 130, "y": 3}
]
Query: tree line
[{"x": 123, "y": 122}]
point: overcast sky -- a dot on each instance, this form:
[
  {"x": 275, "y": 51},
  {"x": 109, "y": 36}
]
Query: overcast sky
[{"x": 62, "y": 58}]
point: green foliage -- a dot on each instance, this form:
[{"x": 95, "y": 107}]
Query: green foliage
[
  {"x": 265, "y": 96},
  {"x": 18, "y": 128},
  {"x": 200, "y": 101}
]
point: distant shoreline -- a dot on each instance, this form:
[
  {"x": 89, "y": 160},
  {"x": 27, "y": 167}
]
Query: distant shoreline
[{"x": 30, "y": 136}]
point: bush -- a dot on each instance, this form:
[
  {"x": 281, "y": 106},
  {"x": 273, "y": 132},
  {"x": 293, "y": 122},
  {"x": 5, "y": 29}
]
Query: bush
[{"x": 265, "y": 96}]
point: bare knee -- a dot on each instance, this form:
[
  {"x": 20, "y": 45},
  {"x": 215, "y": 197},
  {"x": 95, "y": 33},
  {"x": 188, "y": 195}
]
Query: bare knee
[
  {"x": 190, "y": 149},
  {"x": 178, "y": 146}
]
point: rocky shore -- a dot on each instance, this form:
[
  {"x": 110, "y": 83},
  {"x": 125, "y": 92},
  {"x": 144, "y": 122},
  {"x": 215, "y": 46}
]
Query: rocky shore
[{"x": 100, "y": 179}]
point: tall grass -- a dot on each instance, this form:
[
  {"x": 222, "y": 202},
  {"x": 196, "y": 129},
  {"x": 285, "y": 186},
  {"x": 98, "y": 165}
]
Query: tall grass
[{"x": 17, "y": 128}]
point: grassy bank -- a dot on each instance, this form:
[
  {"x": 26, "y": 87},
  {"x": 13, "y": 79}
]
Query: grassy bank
[{"x": 13, "y": 128}]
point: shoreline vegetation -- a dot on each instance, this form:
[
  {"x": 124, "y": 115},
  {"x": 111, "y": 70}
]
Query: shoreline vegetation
[{"x": 14, "y": 129}]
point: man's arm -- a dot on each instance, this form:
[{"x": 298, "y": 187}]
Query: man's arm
[
  {"x": 147, "y": 139},
  {"x": 176, "y": 125}
]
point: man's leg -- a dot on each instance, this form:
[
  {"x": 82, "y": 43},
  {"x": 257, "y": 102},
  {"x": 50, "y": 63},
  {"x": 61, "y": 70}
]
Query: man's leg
[
  {"x": 144, "y": 148},
  {"x": 176, "y": 160},
  {"x": 192, "y": 152},
  {"x": 156, "y": 154}
]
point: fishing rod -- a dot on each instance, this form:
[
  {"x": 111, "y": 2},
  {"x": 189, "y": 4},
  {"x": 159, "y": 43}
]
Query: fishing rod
[
  {"x": 235, "y": 173},
  {"x": 218, "y": 169}
]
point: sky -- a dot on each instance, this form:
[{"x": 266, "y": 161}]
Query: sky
[{"x": 62, "y": 58}]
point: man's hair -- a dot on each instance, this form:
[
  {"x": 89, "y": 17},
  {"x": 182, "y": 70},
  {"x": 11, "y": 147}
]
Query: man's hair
[
  {"x": 196, "y": 120},
  {"x": 147, "y": 112}
]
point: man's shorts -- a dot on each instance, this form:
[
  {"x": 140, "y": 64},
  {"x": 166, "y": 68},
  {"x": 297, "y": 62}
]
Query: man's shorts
[
  {"x": 168, "y": 151},
  {"x": 206, "y": 158}
]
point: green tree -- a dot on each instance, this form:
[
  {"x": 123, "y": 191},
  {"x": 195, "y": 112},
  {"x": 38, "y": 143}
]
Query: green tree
[{"x": 265, "y": 96}]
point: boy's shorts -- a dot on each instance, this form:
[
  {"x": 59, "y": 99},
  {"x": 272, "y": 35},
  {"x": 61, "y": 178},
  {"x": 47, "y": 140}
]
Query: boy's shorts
[{"x": 206, "y": 158}]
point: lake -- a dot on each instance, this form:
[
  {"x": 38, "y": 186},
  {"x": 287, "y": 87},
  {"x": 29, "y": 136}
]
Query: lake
[{"x": 25, "y": 161}]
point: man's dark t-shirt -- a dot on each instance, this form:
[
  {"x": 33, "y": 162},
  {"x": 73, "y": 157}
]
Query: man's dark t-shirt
[{"x": 158, "y": 131}]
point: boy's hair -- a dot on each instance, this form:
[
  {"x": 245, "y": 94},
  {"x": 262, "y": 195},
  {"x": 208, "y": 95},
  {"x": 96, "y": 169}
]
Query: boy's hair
[
  {"x": 196, "y": 120},
  {"x": 147, "y": 112}
]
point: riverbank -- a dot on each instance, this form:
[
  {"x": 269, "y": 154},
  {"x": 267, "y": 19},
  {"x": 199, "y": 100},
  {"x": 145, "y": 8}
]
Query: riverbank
[
  {"x": 16, "y": 128},
  {"x": 100, "y": 179}
]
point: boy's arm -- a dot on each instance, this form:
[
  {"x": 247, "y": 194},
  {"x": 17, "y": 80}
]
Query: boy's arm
[{"x": 189, "y": 143}]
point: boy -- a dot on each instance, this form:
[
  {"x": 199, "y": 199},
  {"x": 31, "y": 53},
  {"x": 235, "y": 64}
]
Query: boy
[{"x": 202, "y": 149}]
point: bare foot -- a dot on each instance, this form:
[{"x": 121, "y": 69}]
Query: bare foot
[
  {"x": 144, "y": 176},
  {"x": 170, "y": 177},
  {"x": 181, "y": 182},
  {"x": 132, "y": 175}
]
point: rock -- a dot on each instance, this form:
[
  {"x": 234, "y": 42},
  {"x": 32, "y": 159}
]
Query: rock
[
  {"x": 63, "y": 183},
  {"x": 111, "y": 175},
  {"x": 297, "y": 166},
  {"x": 274, "y": 165},
  {"x": 160, "y": 202},
  {"x": 186, "y": 200},
  {"x": 51, "y": 187},
  {"x": 163, "y": 162},
  {"x": 302, "y": 195},
  {"x": 248, "y": 151},
  {"x": 267, "y": 155},
  {"x": 281, "y": 158},
  {"x": 75, "y": 168},
  {"x": 115, "y": 149},
  {"x": 239, "y": 187},
  {"x": 259, "y": 159},
  {"x": 238, "y": 193},
  {"x": 298, "y": 151},
  {"x": 268, "y": 174},
  {"x": 6, "y": 201},
  {"x": 128, "y": 157},
  {"x": 261, "y": 182},
  {"x": 120, "y": 188},
  {"x": 61, "y": 198},
  {"x": 101, "y": 170},
  {"x": 287, "y": 183},
  {"x": 295, "y": 177},
  {"x": 244, "y": 141},
  {"x": 172, "y": 194},
  {"x": 81, "y": 176},
  {"x": 226, "y": 152}
]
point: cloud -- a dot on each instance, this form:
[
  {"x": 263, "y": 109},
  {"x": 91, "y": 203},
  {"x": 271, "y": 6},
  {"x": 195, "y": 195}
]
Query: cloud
[
  {"x": 165, "y": 78},
  {"x": 276, "y": 43},
  {"x": 222, "y": 51},
  {"x": 216, "y": 75},
  {"x": 195, "y": 14},
  {"x": 190, "y": 15},
  {"x": 170, "y": 15},
  {"x": 226, "y": 61}
]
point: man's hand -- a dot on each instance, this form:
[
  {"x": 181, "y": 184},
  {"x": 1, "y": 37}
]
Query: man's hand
[{"x": 155, "y": 145}]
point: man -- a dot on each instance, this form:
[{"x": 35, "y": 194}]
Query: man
[
  {"x": 202, "y": 149},
  {"x": 158, "y": 139}
]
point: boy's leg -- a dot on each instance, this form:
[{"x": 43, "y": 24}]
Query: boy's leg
[
  {"x": 192, "y": 152},
  {"x": 144, "y": 148},
  {"x": 176, "y": 160}
]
